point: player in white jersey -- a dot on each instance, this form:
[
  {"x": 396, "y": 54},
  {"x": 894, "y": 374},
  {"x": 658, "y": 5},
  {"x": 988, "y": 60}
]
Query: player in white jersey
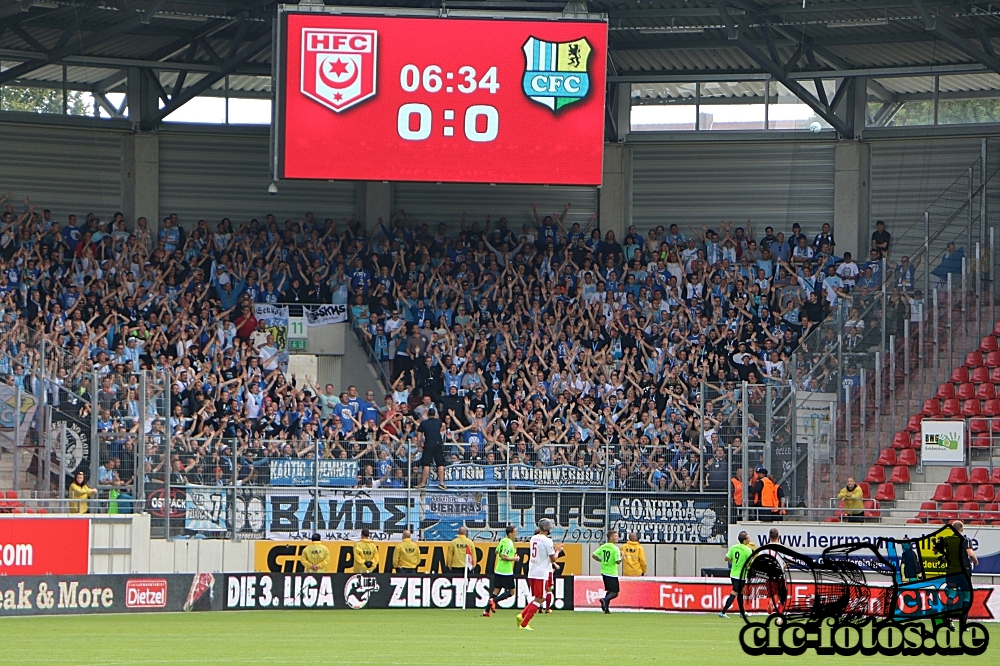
[{"x": 543, "y": 555}]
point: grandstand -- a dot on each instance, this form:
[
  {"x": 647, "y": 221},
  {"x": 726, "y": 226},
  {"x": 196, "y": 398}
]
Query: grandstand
[{"x": 787, "y": 268}]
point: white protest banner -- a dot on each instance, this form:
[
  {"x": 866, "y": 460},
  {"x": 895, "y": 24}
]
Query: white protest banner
[{"x": 325, "y": 314}]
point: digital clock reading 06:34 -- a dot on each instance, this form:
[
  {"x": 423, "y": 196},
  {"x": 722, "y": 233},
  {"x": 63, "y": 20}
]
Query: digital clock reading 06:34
[{"x": 425, "y": 99}]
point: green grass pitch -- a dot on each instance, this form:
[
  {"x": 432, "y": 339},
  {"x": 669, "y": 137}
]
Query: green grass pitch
[{"x": 384, "y": 637}]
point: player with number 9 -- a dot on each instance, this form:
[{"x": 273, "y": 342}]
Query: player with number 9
[{"x": 738, "y": 555}]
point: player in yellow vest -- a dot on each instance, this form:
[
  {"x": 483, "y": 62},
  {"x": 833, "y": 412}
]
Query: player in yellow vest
[
  {"x": 406, "y": 555},
  {"x": 315, "y": 557},
  {"x": 365, "y": 554},
  {"x": 456, "y": 550},
  {"x": 633, "y": 557}
]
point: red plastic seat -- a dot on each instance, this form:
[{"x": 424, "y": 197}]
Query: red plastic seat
[
  {"x": 991, "y": 408},
  {"x": 981, "y": 441},
  {"x": 876, "y": 474},
  {"x": 971, "y": 408},
  {"x": 973, "y": 359},
  {"x": 996, "y": 329},
  {"x": 995, "y": 476},
  {"x": 979, "y": 375},
  {"x": 985, "y": 493},
  {"x": 900, "y": 475},
  {"x": 872, "y": 510},
  {"x": 42, "y": 511},
  {"x": 964, "y": 493},
  {"x": 866, "y": 489},
  {"x": 886, "y": 457},
  {"x": 927, "y": 510},
  {"x": 886, "y": 493},
  {"x": 979, "y": 475},
  {"x": 993, "y": 359},
  {"x": 979, "y": 425},
  {"x": 901, "y": 440},
  {"x": 988, "y": 344},
  {"x": 913, "y": 424},
  {"x": 943, "y": 493},
  {"x": 957, "y": 476},
  {"x": 995, "y": 375},
  {"x": 959, "y": 375},
  {"x": 951, "y": 407},
  {"x": 986, "y": 391},
  {"x": 945, "y": 391},
  {"x": 907, "y": 457},
  {"x": 970, "y": 511},
  {"x": 965, "y": 391},
  {"x": 991, "y": 512},
  {"x": 948, "y": 511},
  {"x": 838, "y": 515}
]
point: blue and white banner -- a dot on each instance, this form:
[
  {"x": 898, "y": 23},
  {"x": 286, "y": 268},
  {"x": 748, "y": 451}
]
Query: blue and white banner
[
  {"x": 206, "y": 509},
  {"x": 454, "y": 506},
  {"x": 301, "y": 472},
  {"x": 324, "y": 314},
  {"x": 467, "y": 475},
  {"x": 685, "y": 518},
  {"x": 340, "y": 515}
]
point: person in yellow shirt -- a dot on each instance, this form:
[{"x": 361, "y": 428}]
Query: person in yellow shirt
[
  {"x": 633, "y": 557},
  {"x": 456, "y": 551},
  {"x": 406, "y": 555},
  {"x": 366, "y": 555},
  {"x": 79, "y": 490},
  {"x": 854, "y": 502},
  {"x": 315, "y": 557}
]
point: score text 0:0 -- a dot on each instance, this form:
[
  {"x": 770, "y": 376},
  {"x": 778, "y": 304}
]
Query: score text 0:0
[
  {"x": 410, "y": 79},
  {"x": 472, "y": 114}
]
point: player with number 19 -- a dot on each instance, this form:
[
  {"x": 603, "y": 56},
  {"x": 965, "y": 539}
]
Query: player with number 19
[{"x": 610, "y": 556}]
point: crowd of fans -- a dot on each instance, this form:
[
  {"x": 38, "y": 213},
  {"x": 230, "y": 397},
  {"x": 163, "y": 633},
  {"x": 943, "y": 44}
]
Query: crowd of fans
[{"x": 555, "y": 344}]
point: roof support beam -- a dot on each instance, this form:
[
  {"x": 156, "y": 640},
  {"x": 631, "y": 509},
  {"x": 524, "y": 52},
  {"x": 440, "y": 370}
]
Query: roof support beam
[{"x": 934, "y": 24}]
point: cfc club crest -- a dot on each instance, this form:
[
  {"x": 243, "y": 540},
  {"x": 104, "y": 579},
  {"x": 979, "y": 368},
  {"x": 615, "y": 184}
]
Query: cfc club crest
[
  {"x": 338, "y": 66},
  {"x": 358, "y": 589},
  {"x": 555, "y": 73}
]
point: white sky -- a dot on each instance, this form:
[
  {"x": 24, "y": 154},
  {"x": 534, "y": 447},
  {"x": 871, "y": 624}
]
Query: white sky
[{"x": 210, "y": 110}]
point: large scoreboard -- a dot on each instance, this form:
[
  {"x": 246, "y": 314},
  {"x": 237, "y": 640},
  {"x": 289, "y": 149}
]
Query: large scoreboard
[{"x": 440, "y": 99}]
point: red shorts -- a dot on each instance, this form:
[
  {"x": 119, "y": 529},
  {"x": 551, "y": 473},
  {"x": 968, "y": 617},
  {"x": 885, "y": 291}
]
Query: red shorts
[
  {"x": 550, "y": 582},
  {"x": 537, "y": 586}
]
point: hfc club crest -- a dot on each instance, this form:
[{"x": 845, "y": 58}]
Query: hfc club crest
[
  {"x": 338, "y": 66},
  {"x": 555, "y": 73}
]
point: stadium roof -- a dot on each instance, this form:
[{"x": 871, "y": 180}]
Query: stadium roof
[{"x": 189, "y": 48}]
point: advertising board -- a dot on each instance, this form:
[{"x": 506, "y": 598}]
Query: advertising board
[{"x": 40, "y": 546}]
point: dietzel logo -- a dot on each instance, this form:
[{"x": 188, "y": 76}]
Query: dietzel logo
[
  {"x": 358, "y": 589},
  {"x": 146, "y": 593},
  {"x": 555, "y": 73},
  {"x": 338, "y": 66}
]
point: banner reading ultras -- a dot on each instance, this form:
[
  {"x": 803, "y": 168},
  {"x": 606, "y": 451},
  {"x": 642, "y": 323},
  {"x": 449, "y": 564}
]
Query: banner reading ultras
[{"x": 442, "y": 99}]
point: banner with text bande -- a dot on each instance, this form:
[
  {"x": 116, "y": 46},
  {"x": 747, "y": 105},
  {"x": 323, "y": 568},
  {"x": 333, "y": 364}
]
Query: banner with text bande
[
  {"x": 340, "y": 515},
  {"x": 689, "y": 518},
  {"x": 325, "y": 314},
  {"x": 812, "y": 538}
]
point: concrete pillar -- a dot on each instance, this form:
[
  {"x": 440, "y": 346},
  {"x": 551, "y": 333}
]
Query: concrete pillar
[
  {"x": 851, "y": 198},
  {"x": 374, "y": 201},
  {"x": 623, "y": 110},
  {"x": 615, "y": 193},
  {"x": 141, "y": 179},
  {"x": 143, "y": 100}
]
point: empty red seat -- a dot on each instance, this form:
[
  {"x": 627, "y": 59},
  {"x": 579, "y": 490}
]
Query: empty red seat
[
  {"x": 982, "y": 440},
  {"x": 900, "y": 474},
  {"x": 991, "y": 408},
  {"x": 837, "y": 515},
  {"x": 979, "y": 375},
  {"x": 970, "y": 511},
  {"x": 872, "y": 510},
  {"x": 965, "y": 391},
  {"x": 979, "y": 425},
  {"x": 886, "y": 457},
  {"x": 948, "y": 511},
  {"x": 866, "y": 489},
  {"x": 943, "y": 493},
  {"x": 995, "y": 375},
  {"x": 991, "y": 512},
  {"x": 988, "y": 344},
  {"x": 886, "y": 493},
  {"x": 927, "y": 510},
  {"x": 957, "y": 476},
  {"x": 907, "y": 457},
  {"x": 959, "y": 375},
  {"x": 993, "y": 359},
  {"x": 945, "y": 391},
  {"x": 901, "y": 440},
  {"x": 951, "y": 407},
  {"x": 979, "y": 475},
  {"x": 973, "y": 359},
  {"x": 876, "y": 474},
  {"x": 986, "y": 391},
  {"x": 996, "y": 329},
  {"x": 964, "y": 493},
  {"x": 42, "y": 511},
  {"x": 985, "y": 493},
  {"x": 995, "y": 476},
  {"x": 913, "y": 424},
  {"x": 971, "y": 408}
]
